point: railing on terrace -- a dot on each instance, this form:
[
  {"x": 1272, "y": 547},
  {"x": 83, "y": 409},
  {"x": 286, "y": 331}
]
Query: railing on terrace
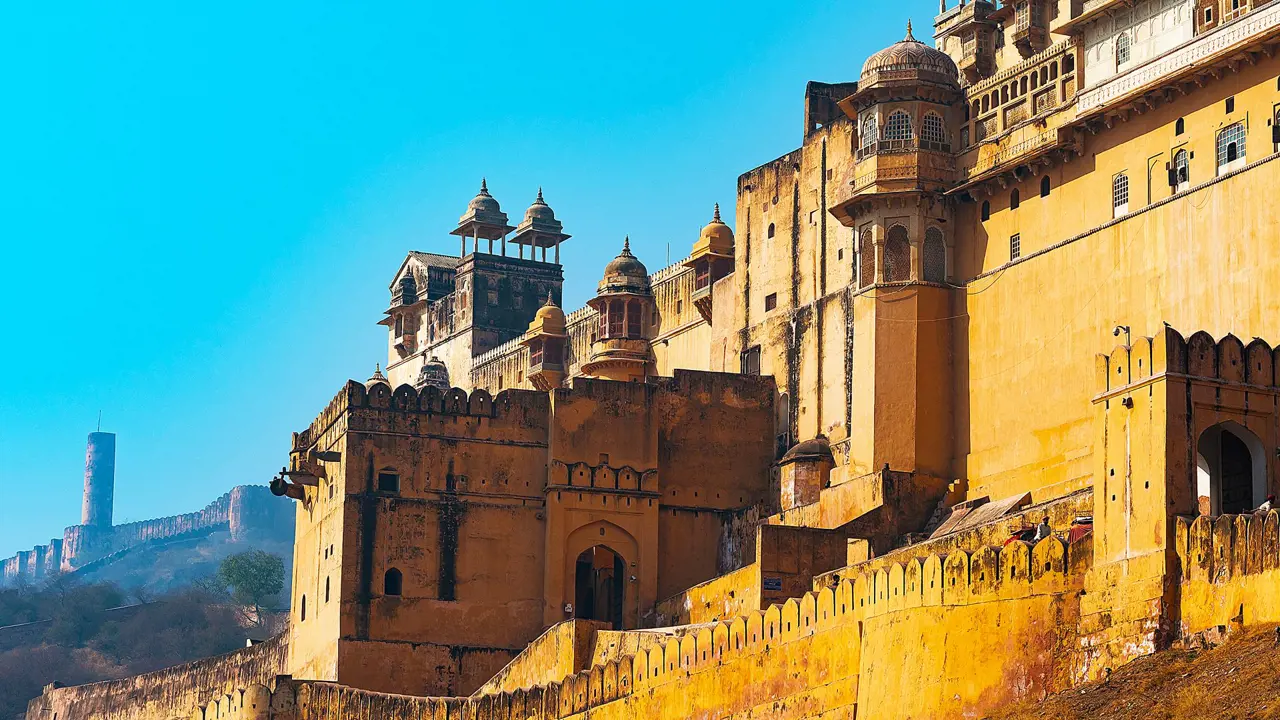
[
  {"x": 1214, "y": 42},
  {"x": 989, "y": 161},
  {"x": 887, "y": 147},
  {"x": 905, "y": 172}
]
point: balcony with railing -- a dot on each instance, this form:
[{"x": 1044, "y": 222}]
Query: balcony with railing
[
  {"x": 1033, "y": 88},
  {"x": 1196, "y": 56}
]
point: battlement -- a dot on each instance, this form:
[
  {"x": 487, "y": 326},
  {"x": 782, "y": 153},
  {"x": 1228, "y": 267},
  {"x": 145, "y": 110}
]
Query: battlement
[
  {"x": 602, "y": 477},
  {"x": 1227, "y": 360}
]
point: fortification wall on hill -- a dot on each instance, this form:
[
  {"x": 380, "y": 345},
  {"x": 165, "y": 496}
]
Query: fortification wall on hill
[
  {"x": 964, "y": 632},
  {"x": 1230, "y": 569},
  {"x": 242, "y": 510},
  {"x": 165, "y": 694}
]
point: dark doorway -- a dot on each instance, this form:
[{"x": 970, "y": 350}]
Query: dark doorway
[
  {"x": 1231, "y": 470},
  {"x": 598, "y": 586},
  {"x": 1237, "y": 475}
]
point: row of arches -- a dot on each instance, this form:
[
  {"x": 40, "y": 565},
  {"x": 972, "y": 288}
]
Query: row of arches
[
  {"x": 1018, "y": 87},
  {"x": 896, "y": 256},
  {"x": 899, "y": 132}
]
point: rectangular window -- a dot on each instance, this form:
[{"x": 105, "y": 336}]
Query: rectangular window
[
  {"x": 1231, "y": 105},
  {"x": 1015, "y": 246},
  {"x": 770, "y": 301},
  {"x": 751, "y": 361},
  {"x": 388, "y": 482}
]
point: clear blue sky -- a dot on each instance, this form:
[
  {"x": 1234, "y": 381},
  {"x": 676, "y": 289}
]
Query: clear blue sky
[{"x": 201, "y": 205}]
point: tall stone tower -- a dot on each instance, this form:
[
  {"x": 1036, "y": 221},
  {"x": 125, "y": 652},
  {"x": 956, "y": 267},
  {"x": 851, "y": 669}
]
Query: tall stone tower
[{"x": 99, "y": 480}]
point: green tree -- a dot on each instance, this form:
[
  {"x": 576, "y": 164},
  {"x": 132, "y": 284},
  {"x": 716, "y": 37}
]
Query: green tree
[{"x": 255, "y": 578}]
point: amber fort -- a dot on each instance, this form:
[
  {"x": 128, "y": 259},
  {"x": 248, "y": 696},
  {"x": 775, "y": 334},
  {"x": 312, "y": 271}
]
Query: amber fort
[{"x": 971, "y": 398}]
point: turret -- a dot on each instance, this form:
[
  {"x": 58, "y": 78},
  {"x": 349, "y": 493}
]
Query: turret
[
  {"x": 546, "y": 341},
  {"x": 711, "y": 259},
  {"x": 621, "y": 349},
  {"x": 99, "y": 480},
  {"x": 540, "y": 229}
]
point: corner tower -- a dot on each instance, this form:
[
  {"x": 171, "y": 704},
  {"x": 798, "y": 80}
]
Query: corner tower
[{"x": 902, "y": 302}]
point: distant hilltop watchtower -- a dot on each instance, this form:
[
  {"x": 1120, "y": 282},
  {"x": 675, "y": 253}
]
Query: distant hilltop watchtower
[{"x": 99, "y": 480}]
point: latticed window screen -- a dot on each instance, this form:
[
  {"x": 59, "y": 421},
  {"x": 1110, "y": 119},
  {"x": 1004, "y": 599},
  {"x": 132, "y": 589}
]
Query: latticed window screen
[
  {"x": 869, "y": 131},
  {"x": 898, "y": 127},
  {"x": 1230, "y": 145},
  {"x": 1015, "y": 246},
  {"x": 866, "y": 260},
  {"x": 1120, "y": 194},
  {"x": 935, "y": 256},
  {"x": 1023, "y": 13},
  {"x": 934, "y": 133},
  {"x": 897, "y": 255},
  {"x": 1123, "y": 48}
]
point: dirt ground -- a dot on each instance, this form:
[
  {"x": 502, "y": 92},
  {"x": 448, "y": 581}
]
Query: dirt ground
[{"x": 1237, "y": 680}]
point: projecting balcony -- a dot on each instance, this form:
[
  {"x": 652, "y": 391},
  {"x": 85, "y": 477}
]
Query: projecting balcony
[{"x": 1231, "y": 44}]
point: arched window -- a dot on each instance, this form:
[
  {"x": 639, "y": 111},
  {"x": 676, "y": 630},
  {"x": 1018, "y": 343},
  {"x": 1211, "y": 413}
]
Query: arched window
[
  {"x": 302, "y": 610},
  {"x": 1014, "y": 199},
  {"x": 935, "y": 256},
  {"x": 1231, "y": 151},
  {"x": 866, "y": 260},
  {"x": 772, "y": 230},
  {"x": 1179, "y": 127},
  {"x": 934, "y": 133},
  {"x": 986, "y": 210},
  {"x": 633, "y": 318},
  {"x": 897, "y": 255},
  {"x": 1044, "y": 186},
  {"x": 1122, "y": 49},
  {"x": 897, "y": 131},
  {"x": 1181, "y": 171},
  {"x": 869, "y": 132},
  {"x": 392, "y": 582},
  {"x": 1120, "y": 195},
  {"x": 615, "y": 319}
]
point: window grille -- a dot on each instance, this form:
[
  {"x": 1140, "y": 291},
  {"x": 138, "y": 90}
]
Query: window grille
[
  {"x": 869, "y": 132},
  {"x": 1123, "y": 49},
  {"x": 1181, "y": 170},
  {"x": 1231, "y": 151},
  {"x": 935, "y": 256},
  {"x": 1023, "y": 12},
  {"x": 866, "y": 260},
  {"x": 897, "y": 132},
  {"x": 615, "y": 318},
  {"x": 770, "y": 301},
  {"x": 633, "y": 319},
  {"x": 897, "y": 255},
  {"x": 1120, "y": 195},
  {"x": 1015, "y": 246},
  {"x": 934, "y": 133}
]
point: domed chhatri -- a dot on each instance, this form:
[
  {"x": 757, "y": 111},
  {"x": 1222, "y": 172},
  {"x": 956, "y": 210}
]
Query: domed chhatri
[
  {"x": 549, "y": 319},
  {"x": 483, "y": 220},
  {"x": 434, "y": 374},
  {"x": 483, "y": 201},
  {"x": 625, "y": 274},
  {"x": 909, "y": 59},
  {"x": 540, "y": 229},
  {"x": 716, "y": 238},
  {"x": 376, "y": 378}
]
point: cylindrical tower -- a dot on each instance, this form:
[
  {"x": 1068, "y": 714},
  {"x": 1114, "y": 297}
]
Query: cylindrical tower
[{"x": 99, "y": 480}]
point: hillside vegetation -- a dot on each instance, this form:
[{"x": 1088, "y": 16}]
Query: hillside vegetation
[{"x": 1238, "y": 680}]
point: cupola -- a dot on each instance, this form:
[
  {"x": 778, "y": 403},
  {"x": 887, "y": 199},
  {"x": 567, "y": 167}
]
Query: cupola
[
  {"x": 540, "y": 229},
  {"x": 434, "y": 373},
  {"x": 376, "y": 378},
  {"x": 804, "y": 471},
  {"x": 546, "y": 340},
  {"x": 909, "y": 61},
  {"x": 483, "y": 220},
  {"x": 620, "y": 349},
  {"x": 711, "y": 259}
]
